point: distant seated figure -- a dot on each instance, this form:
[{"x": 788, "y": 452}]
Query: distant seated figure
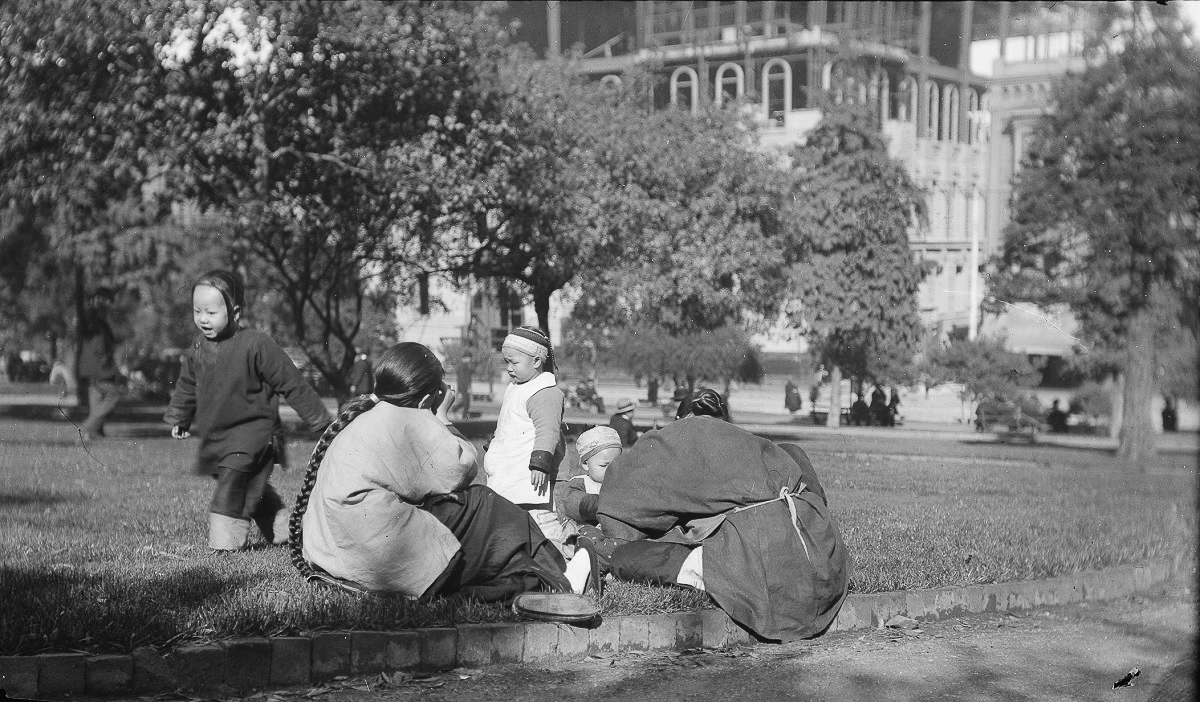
[
  {"x": 622, "y": 422},
  {"x": 860, "y": 413},
  {"x": 1057, "y": 419},
  {"x": 1170, "y": 419}
]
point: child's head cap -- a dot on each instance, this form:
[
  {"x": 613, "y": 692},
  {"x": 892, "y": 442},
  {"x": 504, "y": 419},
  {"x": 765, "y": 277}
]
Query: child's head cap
[{"x": 595, "y": 440}]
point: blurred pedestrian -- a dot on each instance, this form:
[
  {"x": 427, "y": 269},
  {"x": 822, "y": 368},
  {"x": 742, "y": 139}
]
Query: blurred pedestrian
[
  {"x": 464, "y": 377},
  {"x": 622, "y": 422},
  {"x": 228, "y": 394},
  {"x": 97, "y": 366},
  {"x": 879, "y": 407},
  {"x": 791, "y": 397},
  {"x": 362, "y": 376},
  {"x": 893, "y": 405},
  {"x": 1057, "y": 419}
]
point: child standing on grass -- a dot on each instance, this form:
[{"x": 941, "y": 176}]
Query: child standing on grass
[
  {"x": 228, "y": 394},
  {"x": 522, "y": 460}
]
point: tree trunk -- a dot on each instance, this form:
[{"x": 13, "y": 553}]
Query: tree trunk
[
  {"x": 81, "y": 391},
  {"x": 1116, "y": 393},
  {"x": 541, "y": 307},
  {"x": 1137, "y": 425},
  {"x": 652, "y": 391},
  {"x": 835, "y": 397}
]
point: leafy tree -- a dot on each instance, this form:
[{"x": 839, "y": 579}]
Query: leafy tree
[
  {"x": 722, "y": 355},
  {"x": 857, "y": 279},
  {"x": 82, "y": 86},
  {"x": 984, "y": 369},
  {"x": 293, "y": 120},
  {"x": 1106, "y": 207}
]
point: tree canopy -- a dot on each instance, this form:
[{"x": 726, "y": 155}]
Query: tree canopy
[
  {"x": 856, "y": 278},
  {"x": 294, "y": 121},
  {"x": 1108, "y": 200}
]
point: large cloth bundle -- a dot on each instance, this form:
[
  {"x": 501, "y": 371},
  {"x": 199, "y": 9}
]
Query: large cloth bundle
[{"x": 773, "y": 558}]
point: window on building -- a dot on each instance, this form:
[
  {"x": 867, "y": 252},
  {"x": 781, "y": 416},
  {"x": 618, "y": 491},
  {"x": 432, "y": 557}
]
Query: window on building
[
  {"x": 730, "y": 83},
  {"x": 932, "y": 103},
  {"x": 685, "y": 88},
  {"x": 777, "y": 90}
]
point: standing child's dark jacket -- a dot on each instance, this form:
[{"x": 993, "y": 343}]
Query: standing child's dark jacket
[{"x": 228, "y": 393}]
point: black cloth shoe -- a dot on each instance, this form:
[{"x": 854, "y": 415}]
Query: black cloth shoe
[{"x": 595, "y": 582}]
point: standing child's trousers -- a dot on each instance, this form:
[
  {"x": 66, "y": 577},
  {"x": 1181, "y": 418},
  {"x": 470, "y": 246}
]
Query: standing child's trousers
[{"x": 243, "y": 494}]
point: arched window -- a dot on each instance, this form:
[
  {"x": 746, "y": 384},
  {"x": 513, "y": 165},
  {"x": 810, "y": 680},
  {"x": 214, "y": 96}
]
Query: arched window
[
  {"x": 777, "y": 90},
  {"x": 931, "y": 110},
  {"x": 950, "y": 113},
  {"x": 685, "y": 88},
  {"x": 611, "y": 81},
  {"x": 906, "y": 100},
  {"x": 730, "y": 83},
  {"x": 973, "y": 117}
]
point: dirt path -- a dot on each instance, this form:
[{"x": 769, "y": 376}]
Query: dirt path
[{"x": 1062, "y": 653}]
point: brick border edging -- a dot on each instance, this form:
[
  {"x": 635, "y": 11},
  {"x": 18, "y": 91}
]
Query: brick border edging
[{"x": 300, "y": 660}]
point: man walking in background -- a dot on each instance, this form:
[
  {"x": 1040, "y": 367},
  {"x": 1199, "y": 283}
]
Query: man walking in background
[{"x": 97, "y": 367}]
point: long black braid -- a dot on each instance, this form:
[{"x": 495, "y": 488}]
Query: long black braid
[{"x": 352, "y": 409}]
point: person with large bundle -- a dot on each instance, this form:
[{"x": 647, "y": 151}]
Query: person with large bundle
[{"x": 706, "y": 504}]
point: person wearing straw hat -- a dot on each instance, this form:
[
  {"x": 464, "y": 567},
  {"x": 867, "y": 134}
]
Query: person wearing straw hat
[{"x": 622, "y": 422}]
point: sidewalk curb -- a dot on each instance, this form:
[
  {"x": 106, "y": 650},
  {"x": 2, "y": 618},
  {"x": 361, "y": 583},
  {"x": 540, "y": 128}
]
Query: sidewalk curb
[{"x": 249, "y": 663}]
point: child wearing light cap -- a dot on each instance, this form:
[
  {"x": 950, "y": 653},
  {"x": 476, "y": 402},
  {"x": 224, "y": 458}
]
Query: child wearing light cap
[
  {"x": 597, "y": 447},
  {"x": 522, "y": 458}
]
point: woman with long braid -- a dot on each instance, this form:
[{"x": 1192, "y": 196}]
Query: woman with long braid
[{"x": 388, "y": 505}]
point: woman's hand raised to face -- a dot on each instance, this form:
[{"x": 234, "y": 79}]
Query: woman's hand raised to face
[{"x": 443, "y": 408}]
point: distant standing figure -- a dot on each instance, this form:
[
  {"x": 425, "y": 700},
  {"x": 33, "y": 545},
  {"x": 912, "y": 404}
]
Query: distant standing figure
[
  {"x": 622, "y": 421},
  {"x": 791, "y": 397},
  {"x": 464, "y": 375},
  {"x": 1170, "y": 419},
  {"x": 362, "y": 377},
  {"x": 879, "y": 407},
  {"x": 1057, "y": 419},
  {"x": 97, "y": 367},
  {"x": 228, "y": 394},
  {"x": 893, "y": 406}
]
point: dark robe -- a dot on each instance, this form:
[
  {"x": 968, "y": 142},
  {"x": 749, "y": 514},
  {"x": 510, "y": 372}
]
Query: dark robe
[
  {"x": 503, "y": 553},
  {"x": 682, "y": 484}
]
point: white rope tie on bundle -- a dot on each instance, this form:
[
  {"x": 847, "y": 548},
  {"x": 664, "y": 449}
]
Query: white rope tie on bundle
[{"x": 789, "y": 497}]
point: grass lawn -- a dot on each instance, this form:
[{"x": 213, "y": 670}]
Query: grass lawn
[{"x": 103, "y": 549}]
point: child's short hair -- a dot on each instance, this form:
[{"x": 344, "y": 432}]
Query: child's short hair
[
  {"x": 229, "y": 284},
  {"x": 595, "y": 440}
]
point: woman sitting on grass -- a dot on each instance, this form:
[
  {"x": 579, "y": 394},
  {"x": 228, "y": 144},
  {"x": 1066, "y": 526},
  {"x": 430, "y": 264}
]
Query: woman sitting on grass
[
  {"x": 387, "y": 504},
  {"x": 706, "y": 504}
]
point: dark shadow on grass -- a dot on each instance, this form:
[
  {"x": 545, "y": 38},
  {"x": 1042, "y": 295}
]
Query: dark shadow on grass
[
  {"x": 36, "y": 498},
  {"x": 86, "y": 609}
]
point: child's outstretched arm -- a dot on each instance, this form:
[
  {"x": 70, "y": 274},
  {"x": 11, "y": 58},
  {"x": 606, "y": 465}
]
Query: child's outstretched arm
[
  {"x": 182, "y": 408},
  {"x": 277, "y": 370}
]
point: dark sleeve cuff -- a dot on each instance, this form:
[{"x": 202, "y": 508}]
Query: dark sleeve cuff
[
  {"x": 542, "y": 462},
  {"x": 587, "y": 508}
]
